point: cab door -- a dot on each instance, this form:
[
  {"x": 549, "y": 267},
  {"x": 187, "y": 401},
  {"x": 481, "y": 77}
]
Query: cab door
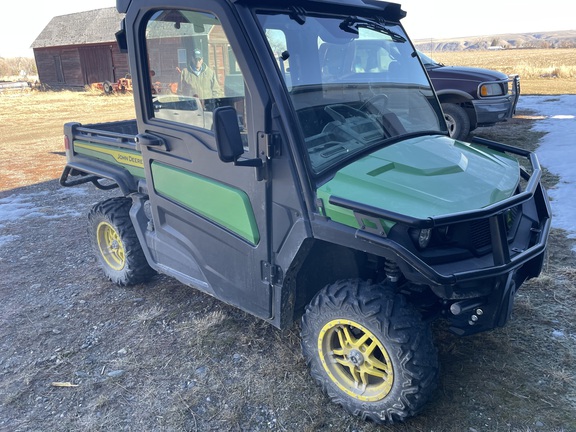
[{"x": 209, "y": 218}]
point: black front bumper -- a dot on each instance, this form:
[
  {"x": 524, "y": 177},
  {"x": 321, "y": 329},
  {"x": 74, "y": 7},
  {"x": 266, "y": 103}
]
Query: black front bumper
[
  {"x": 491, "y": 110},
  {"x": 477, "y": 291}
]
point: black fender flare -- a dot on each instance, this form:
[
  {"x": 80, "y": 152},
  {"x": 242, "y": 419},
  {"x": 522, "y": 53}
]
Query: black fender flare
[{"x": 92, "y": 172}]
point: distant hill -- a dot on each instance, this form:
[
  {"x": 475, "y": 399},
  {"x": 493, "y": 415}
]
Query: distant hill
[{"x": 558, "y": 39}]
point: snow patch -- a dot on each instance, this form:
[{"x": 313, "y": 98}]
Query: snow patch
[
  {"x": 5, "y": 239},
  {"x": 15, "y": 207},
  {"x": 25, "y": 206},
  {"x": 557, "y": 152}
]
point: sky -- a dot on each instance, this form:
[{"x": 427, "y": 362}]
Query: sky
[
  {"x": 437, "y": 19},
  {"x": 20, "y": 24}
]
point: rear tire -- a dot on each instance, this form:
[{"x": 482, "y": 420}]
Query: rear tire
[
  {"x": 457, "y": 121},
  {"x": 370, "y": 351},
  {"x": 116, "y": 244}
]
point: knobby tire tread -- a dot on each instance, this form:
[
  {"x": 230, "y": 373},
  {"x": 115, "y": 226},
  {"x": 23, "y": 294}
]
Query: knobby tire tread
[
  {"x": 415, "y": 360},
  {"x": 117, "y": 212}
]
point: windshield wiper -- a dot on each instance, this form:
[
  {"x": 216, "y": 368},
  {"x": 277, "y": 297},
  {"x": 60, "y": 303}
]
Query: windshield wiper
[{"x": 352, "y": 24}]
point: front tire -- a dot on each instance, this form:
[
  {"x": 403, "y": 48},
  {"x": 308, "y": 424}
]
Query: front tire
[
  {"x": 457, "y": 121},
  {"x": 116, "y": 244},
  {"x": 369, "y": 350}
]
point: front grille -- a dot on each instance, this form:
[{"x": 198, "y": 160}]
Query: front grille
[
  {"x": 480, "y": 233},
  {"x": 475, "y": 235}
]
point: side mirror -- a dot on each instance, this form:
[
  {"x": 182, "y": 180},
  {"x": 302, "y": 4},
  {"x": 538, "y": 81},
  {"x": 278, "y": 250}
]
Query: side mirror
[
  {"x": 121, "y": 37},
  {"x": 228, "y": 139}
]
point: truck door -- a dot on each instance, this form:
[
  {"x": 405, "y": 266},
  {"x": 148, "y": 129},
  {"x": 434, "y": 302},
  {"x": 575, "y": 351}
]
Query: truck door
[{"x": 209, "y": 218}]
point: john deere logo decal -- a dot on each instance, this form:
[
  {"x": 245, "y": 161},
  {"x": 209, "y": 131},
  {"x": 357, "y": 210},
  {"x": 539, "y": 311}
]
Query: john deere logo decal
[{"x": 123, "y": 157}]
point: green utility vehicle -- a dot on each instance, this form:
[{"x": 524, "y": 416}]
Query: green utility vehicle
[{"x": 294, "y": 187}]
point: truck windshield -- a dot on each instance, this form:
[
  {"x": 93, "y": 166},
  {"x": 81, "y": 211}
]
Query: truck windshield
[{"x": 355, "y": 83}]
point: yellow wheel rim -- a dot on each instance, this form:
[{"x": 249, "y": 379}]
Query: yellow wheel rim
[
  {"x": 110, "y": 245},
  {"x": 355, "y": 360}
]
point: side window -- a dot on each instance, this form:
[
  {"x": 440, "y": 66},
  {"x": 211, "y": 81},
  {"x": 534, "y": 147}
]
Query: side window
[{"x": 192, "y": 68}]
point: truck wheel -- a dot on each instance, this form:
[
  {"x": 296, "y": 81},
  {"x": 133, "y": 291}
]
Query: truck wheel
[
  {"x": 457, "y": 121},
  {"x": 369, "y": 350},
  {"x": 115, "y": 242}
]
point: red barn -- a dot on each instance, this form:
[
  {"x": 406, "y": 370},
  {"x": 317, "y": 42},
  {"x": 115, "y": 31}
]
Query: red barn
[{"x": 80, "y": 49}]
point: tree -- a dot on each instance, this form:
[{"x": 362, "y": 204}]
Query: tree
[{"x": 17, "y": 66}]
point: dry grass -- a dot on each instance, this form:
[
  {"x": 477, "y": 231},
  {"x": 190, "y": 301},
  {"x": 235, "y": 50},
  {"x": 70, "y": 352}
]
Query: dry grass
[
  {"x": 542, "y": 71},
  {"x": 31, "y": 122},
  {"x": 191, "y": 363}
]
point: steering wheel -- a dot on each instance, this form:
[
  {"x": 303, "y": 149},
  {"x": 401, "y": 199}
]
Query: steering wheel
[{"x": 377, "y": 104}]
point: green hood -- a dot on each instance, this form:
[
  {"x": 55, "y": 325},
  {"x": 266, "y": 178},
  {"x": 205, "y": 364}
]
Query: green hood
[{"x": 423, "y": 177}]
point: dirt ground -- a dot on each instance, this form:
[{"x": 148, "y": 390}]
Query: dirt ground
[{"x": 80, "y": 354}]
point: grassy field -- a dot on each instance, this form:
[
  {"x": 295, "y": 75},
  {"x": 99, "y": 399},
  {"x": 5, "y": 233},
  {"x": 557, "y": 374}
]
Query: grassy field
[
  {"x": 31, "y": 123},
  {"x": 542, "y": 71}
]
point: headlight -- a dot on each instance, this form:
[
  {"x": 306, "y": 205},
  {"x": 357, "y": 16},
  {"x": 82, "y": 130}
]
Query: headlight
[
  {"x": 491, "y": 89},
  {"x": 421, "y": 237}
]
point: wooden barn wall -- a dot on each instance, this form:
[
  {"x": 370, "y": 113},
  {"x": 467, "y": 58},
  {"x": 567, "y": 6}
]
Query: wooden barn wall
[
  {"x": 96, "y": 64},
  {"x": 162, "y": 53},
  {"x": 120, "y": 62},
  {"x": 218, "y": 48},
  {"x": 68, "y": 58},
  {"x": 81, "y": 65}
]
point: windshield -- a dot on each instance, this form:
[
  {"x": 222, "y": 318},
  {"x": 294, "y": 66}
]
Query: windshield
[{"x": 355, "y": 83}]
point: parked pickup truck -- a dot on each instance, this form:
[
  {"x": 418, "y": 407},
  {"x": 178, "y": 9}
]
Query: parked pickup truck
[
  {"x": 472, "y": 97},
  {"x": 296, "y": 186}
]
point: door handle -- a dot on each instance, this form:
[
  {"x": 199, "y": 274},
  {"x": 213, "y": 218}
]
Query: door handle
[{"x": 149, "y": 140}]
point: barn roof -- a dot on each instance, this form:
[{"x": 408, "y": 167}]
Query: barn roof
[{"x": 90, "y": 27}]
